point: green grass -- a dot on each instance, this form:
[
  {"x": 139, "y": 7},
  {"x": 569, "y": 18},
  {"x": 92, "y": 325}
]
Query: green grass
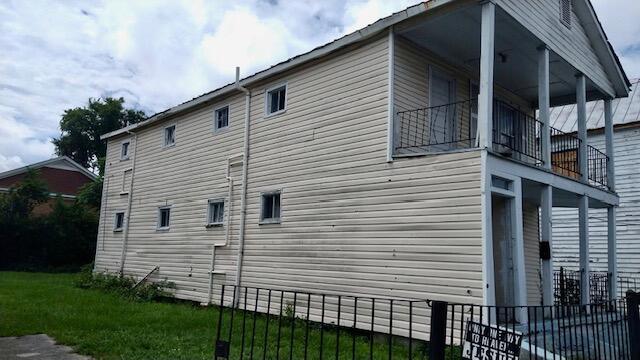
[{"x": 107, "y": 326}]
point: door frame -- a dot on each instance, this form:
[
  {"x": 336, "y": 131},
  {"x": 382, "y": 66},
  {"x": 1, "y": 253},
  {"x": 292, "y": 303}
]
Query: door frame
[
  {"x": 515, "y": 193},
  {"x": 453, "y": 91}
]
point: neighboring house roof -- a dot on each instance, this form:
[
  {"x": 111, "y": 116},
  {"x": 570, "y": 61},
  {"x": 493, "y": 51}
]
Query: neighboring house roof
[
  {"x": 590, "y": 18},
  {"x": 62, "y": 162},
  {"x": 625, "y": 111}
]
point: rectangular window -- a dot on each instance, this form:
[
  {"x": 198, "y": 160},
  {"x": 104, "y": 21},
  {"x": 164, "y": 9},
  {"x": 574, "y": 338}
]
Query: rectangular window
[
  {"x": 221, "y": 116},
  {"x": 170, "y": 135},
  {"x": 216, "y": 212},
  {"x": 270, "y": 212},
  {"x": 164, "y": 214},
  {"x": 124, "y": 151},
  {"x": 119, "y": 222},
  {"x": 276, "y": 99}
]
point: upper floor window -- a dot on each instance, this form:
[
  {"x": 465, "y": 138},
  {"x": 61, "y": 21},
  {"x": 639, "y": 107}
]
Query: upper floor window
[
  {"x": 216, "y": 212},
  {"x": 565, "y": 13},
  {"x": 118, "y": 223},
  {"x": 276, "y": 99},
  {"x": 221, "y": 118},
  {"x": 169, "y": 135},
  {"x": 270, "y": 212},
  {"x": 164, "y": 215},
  {"x": 124, "y": 150}
]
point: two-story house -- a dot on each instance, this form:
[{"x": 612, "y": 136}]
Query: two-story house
[{"x": 402, "y": 160}]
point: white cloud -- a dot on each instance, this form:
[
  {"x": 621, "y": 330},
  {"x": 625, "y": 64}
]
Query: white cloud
[{"x": 158, "y": 53}]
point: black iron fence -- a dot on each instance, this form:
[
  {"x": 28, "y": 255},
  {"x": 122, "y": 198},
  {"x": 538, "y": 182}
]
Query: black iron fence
[
  {"x": 566, "y": 286},
  {"x": 258, "y": 323},
  {"x": 597, "y": 167},
  {"x": 564, "y": 154}
]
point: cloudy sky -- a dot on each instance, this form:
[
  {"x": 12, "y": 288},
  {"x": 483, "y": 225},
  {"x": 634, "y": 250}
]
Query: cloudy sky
[{"x": 158, "y": 53}]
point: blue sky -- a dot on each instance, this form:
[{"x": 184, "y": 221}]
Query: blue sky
[{"x": 155, "y": 54}]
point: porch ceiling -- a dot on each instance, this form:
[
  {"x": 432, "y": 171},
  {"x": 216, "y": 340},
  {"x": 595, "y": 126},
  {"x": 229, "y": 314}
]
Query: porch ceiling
[{"x": 455, "y": 36}]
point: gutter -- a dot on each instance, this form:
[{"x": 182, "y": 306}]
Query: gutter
[
  {"x": 130, "y": 200},
  {"x": 243, "y": 206}
]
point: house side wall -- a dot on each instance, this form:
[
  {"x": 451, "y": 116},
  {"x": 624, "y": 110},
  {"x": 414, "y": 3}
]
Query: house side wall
[
  {"x": 565, "y": 228},
  {"x": 352, "y": 223},
  {"x": 542, "y": 18},
  {"x": 531, "y": 231}
]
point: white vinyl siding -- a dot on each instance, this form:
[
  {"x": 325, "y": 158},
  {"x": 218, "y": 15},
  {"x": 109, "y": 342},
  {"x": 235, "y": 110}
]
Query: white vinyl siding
[
  {"x": 354, "y": 224},
  {"x": 541, "y": 17}
]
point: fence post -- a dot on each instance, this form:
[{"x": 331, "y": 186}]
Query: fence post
[
  {"x": 633, "y": 314},
  {"x": 438, "y": 332}
]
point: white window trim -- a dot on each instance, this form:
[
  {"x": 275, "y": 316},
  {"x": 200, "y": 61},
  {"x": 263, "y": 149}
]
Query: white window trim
[
  {"x": 125, "y": 190},
  {"x": 126, "y": 157},
  {"x": 267, "y": 114},
  {"x": 216, "y": 129},
  {"x": 175, "y": 134},
  {"x": 277, "y": 220},
  {"x": 224, "y": 210},
  {"x": 159, "y": 217},
  {"x": 115, "y": 221}
]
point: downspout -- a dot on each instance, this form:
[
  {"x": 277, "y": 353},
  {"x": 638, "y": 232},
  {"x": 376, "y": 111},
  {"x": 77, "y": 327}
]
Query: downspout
[
  {"x": 227, "y": 232},
  {"x": 126, "y": 228},
  {"x": 243, "y": 205}
]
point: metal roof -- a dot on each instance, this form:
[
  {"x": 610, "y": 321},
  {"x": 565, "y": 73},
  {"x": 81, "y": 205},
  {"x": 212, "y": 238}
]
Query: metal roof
[{"x": 625, "y": 111}]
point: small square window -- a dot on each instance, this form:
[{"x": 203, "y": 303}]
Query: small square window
[
  {"x": 164, "y": 215},
  {"x": 170, "y": 135},
  {"x": 124, "y": 151},
  {"x": 118, "y": 223},
  {"x": 216, "y": 212},
  {"x": 270, "y": 212},
  {"x": 276, "y": 99},
  {"x": 221, "y": 118}
]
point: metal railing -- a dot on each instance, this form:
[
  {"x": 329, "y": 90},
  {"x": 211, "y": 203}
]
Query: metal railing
[
  {"x": 437, "y": 128},
  {"x": 597, "y": 162},
  {"x": 516, "y": 134},
  {"x": 566, "y": 286},
  {"x": 254, "y": 323}
]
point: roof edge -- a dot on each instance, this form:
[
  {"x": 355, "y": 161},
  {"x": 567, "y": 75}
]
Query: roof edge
[
  {"x": 44, "y": 163},
  {"x": 316, "y": 53}
]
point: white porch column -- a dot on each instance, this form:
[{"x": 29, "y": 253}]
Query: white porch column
[
  {"x": 543, "y": 105},
  {"x": 546, "y": 201},
  {"x": 583, "y": 201},
  {"x": 485, "y": 98},
  {"x": 612, "y": 253}
]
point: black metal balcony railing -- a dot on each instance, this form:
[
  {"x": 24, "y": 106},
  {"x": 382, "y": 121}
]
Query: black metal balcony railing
[
  {"x": 437, "y": 128},
  {"x": 516, "y": 135}
]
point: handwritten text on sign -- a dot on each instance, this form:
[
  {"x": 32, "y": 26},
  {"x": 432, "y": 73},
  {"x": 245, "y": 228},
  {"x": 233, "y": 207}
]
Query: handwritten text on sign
[{"x": 484, "y": 342}]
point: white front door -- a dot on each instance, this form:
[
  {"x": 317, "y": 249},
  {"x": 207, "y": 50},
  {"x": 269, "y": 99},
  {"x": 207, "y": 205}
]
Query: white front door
[{"x": 442, "y": 89}]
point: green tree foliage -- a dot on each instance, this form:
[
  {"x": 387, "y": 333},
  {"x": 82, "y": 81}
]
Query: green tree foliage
[
  {"x": 91, "y": 193},
  {"x": 82, "y": 126},
  {"x": 64, "y": 238}
]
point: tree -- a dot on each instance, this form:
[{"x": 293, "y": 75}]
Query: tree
[
  {"x": 82, "y": 126},
  {"x": 21, "y": 199}
]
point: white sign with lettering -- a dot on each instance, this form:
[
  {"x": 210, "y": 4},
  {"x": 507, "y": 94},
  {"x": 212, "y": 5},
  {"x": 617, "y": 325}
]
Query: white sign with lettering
[{"x": 485, "y": 342}]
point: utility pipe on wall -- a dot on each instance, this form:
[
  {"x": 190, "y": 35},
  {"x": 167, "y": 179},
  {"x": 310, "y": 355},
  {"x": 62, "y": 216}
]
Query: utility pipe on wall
[
  {"x": 125, "y": 239},
  {"x": 243, "y": 205}
]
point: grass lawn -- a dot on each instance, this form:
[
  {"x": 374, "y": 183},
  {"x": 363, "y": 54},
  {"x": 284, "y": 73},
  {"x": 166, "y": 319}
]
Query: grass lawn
[{"x": 106, "y": 326}]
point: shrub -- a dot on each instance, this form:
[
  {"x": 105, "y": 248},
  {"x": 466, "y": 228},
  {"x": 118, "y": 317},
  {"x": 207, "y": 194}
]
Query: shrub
[{"x": 122, "y": 285}]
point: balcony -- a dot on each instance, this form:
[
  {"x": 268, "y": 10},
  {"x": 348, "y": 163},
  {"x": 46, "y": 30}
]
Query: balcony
[{"x": 516, "y": 135}]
